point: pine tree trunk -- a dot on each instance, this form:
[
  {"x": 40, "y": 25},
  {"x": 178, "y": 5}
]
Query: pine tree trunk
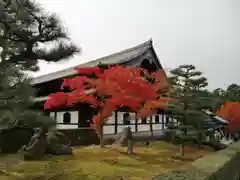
[
  {"x": 173, "y": 136},
  {"x": 5, "y": 47},
  {"x": 182, "y": 149},
  {"x": 199, "y": 140}
]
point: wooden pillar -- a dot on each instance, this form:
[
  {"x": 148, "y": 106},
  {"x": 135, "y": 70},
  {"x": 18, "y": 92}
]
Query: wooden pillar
[
  {"x": 163, "y": 122},
  {"x": 136, "y": 123},
  {"x": 116, "y": 122},
  {"x": 55, "y": 116},
  {"x": 47, "y": 113},
  {"x": 79, "y": 119}
]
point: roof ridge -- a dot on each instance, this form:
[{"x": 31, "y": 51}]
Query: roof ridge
[{"x": 149, "y": 42}]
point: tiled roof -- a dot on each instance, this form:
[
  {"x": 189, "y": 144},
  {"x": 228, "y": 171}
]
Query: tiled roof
[{"x": 116, "y": 58}]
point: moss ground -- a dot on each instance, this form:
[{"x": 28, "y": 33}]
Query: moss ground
[{"x": 94, "y": 163}]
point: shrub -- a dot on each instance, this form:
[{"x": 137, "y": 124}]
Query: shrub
[{"x": 11, "y": 140}]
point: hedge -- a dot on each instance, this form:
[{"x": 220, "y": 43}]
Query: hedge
[
  {"x": 221, "y": 165},
  {"x": 11, "y": 140}
]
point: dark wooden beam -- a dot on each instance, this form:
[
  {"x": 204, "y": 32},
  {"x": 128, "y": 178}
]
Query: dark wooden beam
[
  {"x": 116, "y": 122},
  {"x": 136, "y": 123}
]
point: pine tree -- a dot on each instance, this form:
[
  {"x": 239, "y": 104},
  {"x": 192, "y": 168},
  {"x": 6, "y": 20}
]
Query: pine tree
[
  {"x": 16, "y": 100},
  {"x": 28, "y": 34},
  {"x": 187, "y": 84}
]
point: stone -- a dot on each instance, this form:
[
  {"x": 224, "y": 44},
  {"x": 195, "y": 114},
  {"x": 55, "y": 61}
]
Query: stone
[
  {"x": 126, "y": 140},
  {"x": 126, "y": 135},
  {"x": 60, "y": 149},
  {"x": 37, "y": 145},
  {"x": 130, "y": 147}
]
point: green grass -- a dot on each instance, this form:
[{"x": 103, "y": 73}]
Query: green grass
[{"x": 94, "y": 163}]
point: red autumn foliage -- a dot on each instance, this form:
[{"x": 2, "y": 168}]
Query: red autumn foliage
[
  {"x": 230, "y": 111},
  {"x": 89, "y": 70},
  {"x": 111, "y": 89},
  {"x": 58, "y": 99}
]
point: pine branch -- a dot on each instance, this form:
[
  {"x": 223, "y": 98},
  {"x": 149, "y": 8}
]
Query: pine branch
[
  {"x": 26, "y": 26},
  {"x": 60, "y": 51}
]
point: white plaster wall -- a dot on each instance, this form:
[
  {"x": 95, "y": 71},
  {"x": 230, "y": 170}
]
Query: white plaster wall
[
  {"x": 52, "y": 114},
  {"x": 120, "y": 121},
  {"x": 67, "y": 126},
  {"x": 121, "y": 127},
  {"x": 111, "y": 119},
  {"x": 162, "y": 119},
  {"x": 120, "y": 117},
  {"x": 74, "y": 119},
  {"x": 146, "y": 127},
  {"x": 110, "y": 129},
  {"x": 143, "y": 127},
  {"x": 159, "y": 126}
]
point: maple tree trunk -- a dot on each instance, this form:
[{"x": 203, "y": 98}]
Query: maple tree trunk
[
  {"x": 101, "y": 137},
  {"x": 151, "y": 129},
  {"x": 101, "y": 142}
]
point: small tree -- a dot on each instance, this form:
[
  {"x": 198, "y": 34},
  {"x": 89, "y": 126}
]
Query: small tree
[
  {"x": 233, "y": 93},
  {"x": 230, "y": 112},
  {"x": 187, "y": 84},
  {"x": 222, "y": 96},
  {"x": 107, "y": 89}
]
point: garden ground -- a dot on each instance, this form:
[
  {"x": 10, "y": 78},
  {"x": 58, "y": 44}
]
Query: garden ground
[{"x": 94, "y": 163}]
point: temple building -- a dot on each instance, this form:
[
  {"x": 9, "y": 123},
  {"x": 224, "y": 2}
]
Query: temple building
[{"x": 142, "y": 55}]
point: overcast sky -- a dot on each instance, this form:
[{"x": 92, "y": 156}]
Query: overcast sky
[{"x": 200, "y": 32}]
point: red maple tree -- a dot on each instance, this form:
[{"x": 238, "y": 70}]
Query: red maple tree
[
  {"x": 230, "y": 111},
  {"x": 110, "y": 89}
]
